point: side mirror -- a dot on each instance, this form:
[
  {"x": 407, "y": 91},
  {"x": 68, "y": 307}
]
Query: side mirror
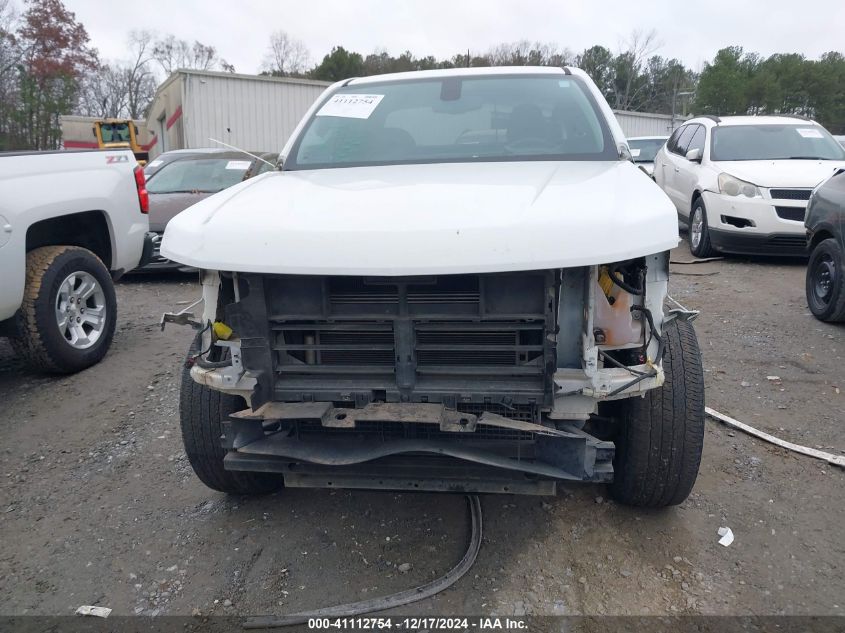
[{"x": 694, "y": 155}]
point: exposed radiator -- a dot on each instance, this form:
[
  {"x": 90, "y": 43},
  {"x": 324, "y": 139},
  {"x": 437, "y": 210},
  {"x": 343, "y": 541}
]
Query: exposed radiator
[{"x": 481, "y": 340}]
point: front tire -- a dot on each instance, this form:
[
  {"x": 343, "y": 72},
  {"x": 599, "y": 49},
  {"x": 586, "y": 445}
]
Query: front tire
[
  {"x": 825, "y": 283},
  {"x": 659, "y": 444},
  {"x": 201, "y": 412},
  {"x": 699, "y": 232},
  {"x": 67, "y": 318}
]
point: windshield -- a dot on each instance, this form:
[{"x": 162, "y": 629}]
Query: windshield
[
  {"x": 205, "y": 175},
  {"x": 643, "y": 150},
  {"x": 114, "y": 132},
  {"x": 455, "y": 119},
  {"x": 774, "y": 142}
]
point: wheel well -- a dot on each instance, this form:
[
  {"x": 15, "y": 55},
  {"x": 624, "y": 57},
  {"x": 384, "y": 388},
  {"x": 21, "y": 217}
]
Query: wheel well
[
  {"x": 88, "y": 229},
  {"x": 819, "y": 237},
  {"x": 695, "y": 196}
]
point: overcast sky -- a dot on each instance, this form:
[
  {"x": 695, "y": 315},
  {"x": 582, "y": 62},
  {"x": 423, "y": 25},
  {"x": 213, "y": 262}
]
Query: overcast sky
[{"x": 690, "y": 31}]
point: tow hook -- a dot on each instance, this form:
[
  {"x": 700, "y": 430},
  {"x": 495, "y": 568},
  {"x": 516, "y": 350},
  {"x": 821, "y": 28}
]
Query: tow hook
[
  {"x": 680, "y": 312},
  {"x": 183, "y": 317}
]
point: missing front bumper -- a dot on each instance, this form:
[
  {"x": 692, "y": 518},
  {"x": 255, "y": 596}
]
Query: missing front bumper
[
  {"x": 412, "y": 447},
  {"x": 419, "y": 475}
]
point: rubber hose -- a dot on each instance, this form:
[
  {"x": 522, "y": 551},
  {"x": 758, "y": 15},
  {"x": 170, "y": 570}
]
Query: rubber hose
[
  {"x": 612, "y": 270},
  {"x": 395, "y": 600}
]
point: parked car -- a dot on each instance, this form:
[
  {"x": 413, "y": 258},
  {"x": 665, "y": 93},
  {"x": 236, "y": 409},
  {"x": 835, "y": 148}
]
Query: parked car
[
  {"x": 825, "y": 285},
  {"x": 185, "y": 177},
  {"x": 439, "y": 292},
  {"x": 268, "y": 160},
  {"x": 644, "y": 149},
  {"x": 72, "y": 221},
  {"x": 154, "y": 166},
  {"x": 742, "y": 182}
]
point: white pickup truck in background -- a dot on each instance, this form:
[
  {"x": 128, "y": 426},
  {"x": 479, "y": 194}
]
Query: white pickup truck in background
[{"x": 70, "y": 223}]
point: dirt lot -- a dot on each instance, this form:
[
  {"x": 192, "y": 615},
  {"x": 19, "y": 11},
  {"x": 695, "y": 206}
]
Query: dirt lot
[{"x": 99, "y": 506}]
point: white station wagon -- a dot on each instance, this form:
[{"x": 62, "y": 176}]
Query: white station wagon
[{"x": 743, "y": 182}]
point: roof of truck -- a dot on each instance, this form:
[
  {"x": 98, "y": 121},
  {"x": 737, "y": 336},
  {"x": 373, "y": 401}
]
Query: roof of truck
[{"x": 467, "y": 72}]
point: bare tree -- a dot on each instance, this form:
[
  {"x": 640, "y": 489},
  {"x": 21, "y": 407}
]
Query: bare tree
[
  {"x": 629, "y": 76},
  {"x": 525, "y": 53},
  {"x": 122, "y": 88},
  {"x": 10, "y": 55},
  {"x": 171, "y": 54},
  {"x": 286, "y": 55},
  {"x": 140, "y": 79},
  {"x": 104, "y": 92},
  {"x": 9, "y": 51},
  {"x": 521, "y": 53}
]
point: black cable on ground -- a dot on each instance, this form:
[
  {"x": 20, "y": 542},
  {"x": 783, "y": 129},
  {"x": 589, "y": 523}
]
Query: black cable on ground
[{"x": 387, "y": 602}]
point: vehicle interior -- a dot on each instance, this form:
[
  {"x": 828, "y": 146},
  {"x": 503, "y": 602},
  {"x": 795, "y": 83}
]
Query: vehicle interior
[{"x": 479, "y": 118}]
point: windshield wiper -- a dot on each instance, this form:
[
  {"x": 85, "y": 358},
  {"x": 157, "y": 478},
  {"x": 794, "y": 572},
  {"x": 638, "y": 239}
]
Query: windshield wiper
[
  {"x": 806, "y": 158},
  {"x": 185, "y": 191}
]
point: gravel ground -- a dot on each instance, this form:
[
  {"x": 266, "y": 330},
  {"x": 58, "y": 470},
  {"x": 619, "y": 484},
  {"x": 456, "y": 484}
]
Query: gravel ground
[{"x": 99, "y": 506}]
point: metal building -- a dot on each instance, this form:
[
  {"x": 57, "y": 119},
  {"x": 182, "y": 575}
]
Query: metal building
[
  {"x": 253, "y": 112},
  {"x": 259, "y": 113},
  {"x": 647, "y": 123}
]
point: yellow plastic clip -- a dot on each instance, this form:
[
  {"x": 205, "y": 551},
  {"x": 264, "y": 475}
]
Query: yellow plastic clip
[
  {"x": 222, "y": 331},
  {"x": 605, "y": 282}
]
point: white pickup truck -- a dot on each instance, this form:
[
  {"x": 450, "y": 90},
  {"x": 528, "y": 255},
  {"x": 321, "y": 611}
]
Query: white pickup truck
[{"x": 70, "y": 223}]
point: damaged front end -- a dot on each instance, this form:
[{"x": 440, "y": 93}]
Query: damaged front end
[{"x": 489, "y": 382}]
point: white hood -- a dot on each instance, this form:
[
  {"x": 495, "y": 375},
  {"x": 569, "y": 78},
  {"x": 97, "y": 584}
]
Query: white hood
[
  {"x": 427, "y": 219},
  {"x": 780, "y": 173}
]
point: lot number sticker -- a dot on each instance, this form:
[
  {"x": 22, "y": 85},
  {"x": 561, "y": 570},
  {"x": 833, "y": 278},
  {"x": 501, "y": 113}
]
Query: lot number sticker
[
  {"x": 808, "y": 132},
  {"x": 350, "y": 106},
  {"x": 237, "y": 164}
]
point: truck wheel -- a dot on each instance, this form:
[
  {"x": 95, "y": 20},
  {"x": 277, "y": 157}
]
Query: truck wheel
[
  {"x": 658, "y": 447},
  {"x": 699, "y": 234},
  {"x": 201, "y": 411},
  {"x": 67, "y": 317},
  {"x": 826, "y": 281}
]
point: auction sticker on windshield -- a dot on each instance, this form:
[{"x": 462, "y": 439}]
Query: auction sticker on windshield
[
  {"x": 350, "y": 106},
  {"x": 808, "y": 132},
  {"x": 237, "y": 164}
]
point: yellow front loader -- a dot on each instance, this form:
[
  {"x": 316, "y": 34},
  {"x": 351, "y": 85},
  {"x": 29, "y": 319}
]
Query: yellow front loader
[{"x": 120, "y": 134}]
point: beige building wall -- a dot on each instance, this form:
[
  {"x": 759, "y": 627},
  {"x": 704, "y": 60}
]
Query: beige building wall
[{"x": 248, "y": 111}]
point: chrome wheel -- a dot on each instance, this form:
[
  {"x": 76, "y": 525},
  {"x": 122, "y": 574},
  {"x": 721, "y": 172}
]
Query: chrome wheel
[
  {"x": 81, "y": 310},
  {"x": 696, "y": 227}
]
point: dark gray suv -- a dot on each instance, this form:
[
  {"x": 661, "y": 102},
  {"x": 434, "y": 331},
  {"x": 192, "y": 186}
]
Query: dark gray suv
[{"x": 825, "y": 224}]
